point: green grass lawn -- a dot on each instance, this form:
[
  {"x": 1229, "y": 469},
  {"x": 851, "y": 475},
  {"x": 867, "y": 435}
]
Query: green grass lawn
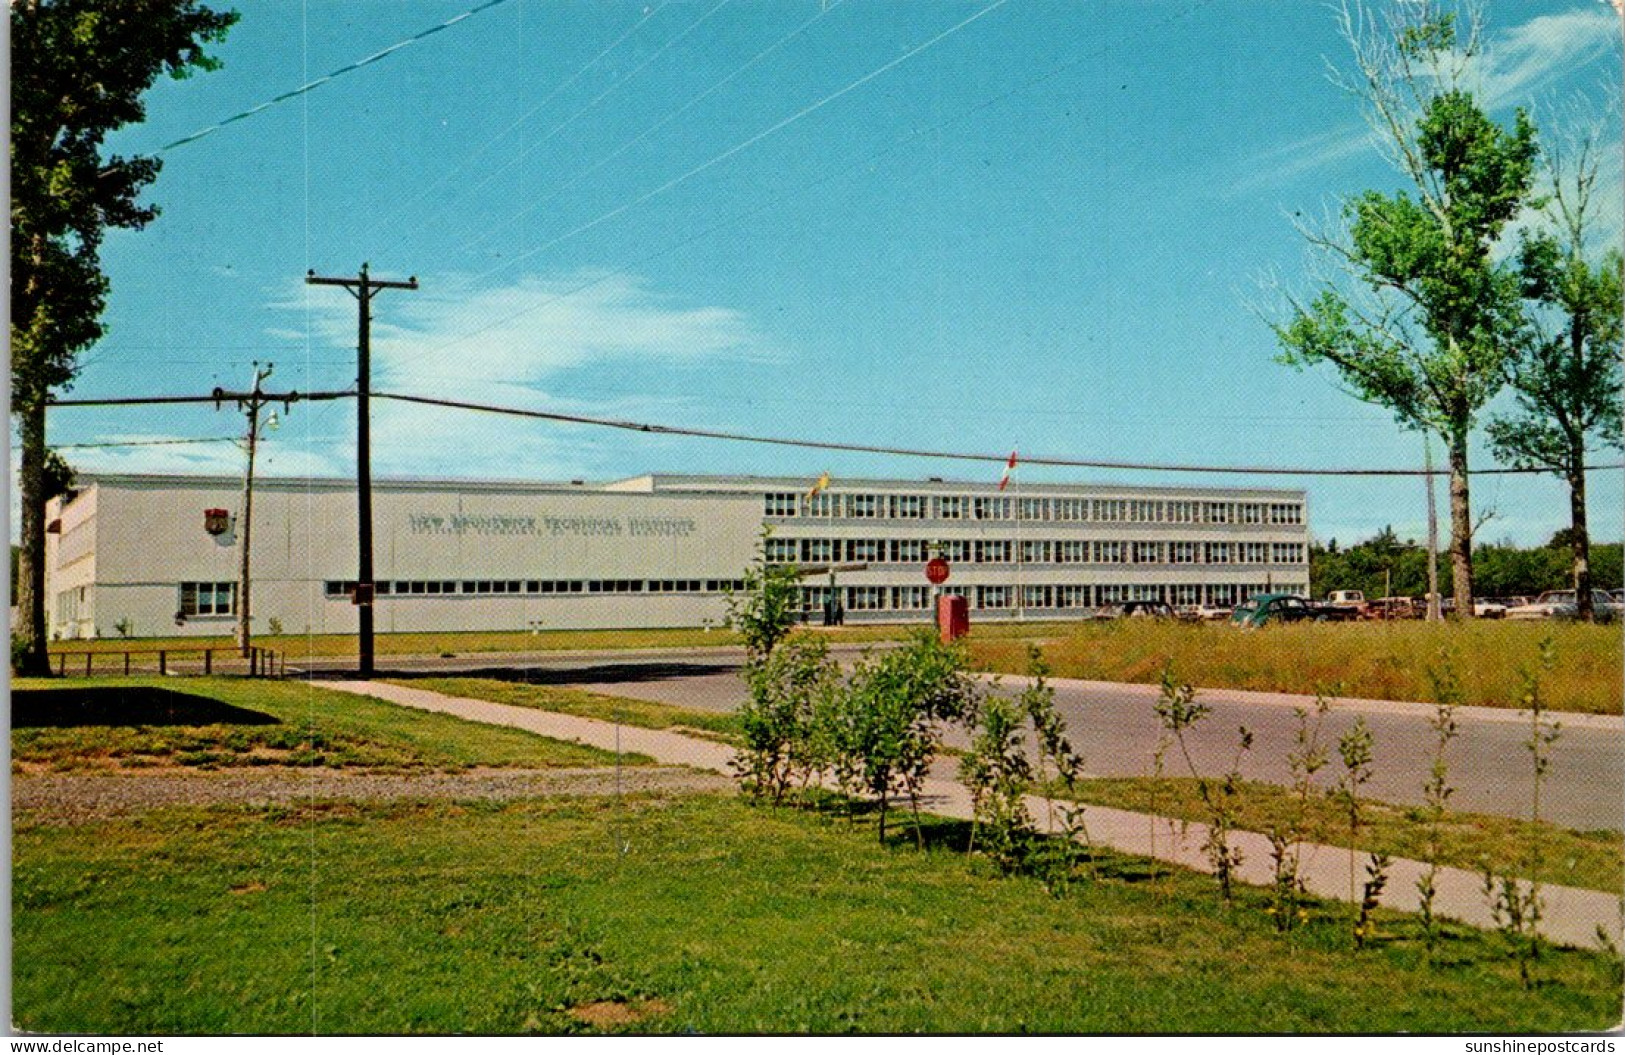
[
  {"x": 714, "y": 725},
  {"x": 1384, "y": 661},
  {"x": 1381, "y": 661},
  {"x": 697, "y": 913},
  {"x": 100, "y": 723},
  {"x": 1593, "y": 860}
]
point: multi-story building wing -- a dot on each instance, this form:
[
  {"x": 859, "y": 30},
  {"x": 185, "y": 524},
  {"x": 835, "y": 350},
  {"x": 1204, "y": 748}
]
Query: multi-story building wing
[{"x": 158, "y": 555}]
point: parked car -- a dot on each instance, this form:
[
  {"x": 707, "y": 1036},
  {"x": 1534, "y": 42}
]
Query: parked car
[
  {"x": 1489, "y": 608},
  {"x": 1346, "y": 604},
  {"x": 1563, "y": 604},
  {"x": 1213, "y": 612},
  {"x": 1147, "y": 610},
  {"x": 1266, "y": 608},
  {"x": 1394, "y": 608}
]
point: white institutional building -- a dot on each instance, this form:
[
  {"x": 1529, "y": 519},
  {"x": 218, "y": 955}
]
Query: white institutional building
[{"x": 145, "y": 552}]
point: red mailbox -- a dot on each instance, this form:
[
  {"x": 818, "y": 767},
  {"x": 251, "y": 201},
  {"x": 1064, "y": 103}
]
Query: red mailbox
[{"x": 953, "y": 617}]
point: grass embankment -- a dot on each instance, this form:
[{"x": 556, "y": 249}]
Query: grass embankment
[
  {"x": 715, "y": 725},
  {"x": 116, "y": 723},
  {"x": 697, "y": 914},
  {"x": 1380, "y": 661},
  {"x": 1592, "y": 860}
]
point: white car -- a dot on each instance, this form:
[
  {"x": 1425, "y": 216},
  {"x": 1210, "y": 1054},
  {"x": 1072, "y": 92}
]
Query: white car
[
  {"x": 1485, "y": 608},
  {"x": 1560, "y": 604}
]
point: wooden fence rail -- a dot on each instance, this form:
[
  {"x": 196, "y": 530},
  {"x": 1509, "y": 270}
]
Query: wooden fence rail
[{"x": 259, "y": 663}]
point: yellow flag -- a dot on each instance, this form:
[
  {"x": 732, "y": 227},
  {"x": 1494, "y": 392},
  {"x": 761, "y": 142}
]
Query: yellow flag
[{"x": 823, "y": 482}]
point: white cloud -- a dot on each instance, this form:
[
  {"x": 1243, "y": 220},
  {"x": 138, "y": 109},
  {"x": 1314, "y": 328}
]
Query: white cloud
[
  {"x": 1516, "y": 64},
  {"x": 507, "y": 346},
  {"x": 1525, "y": 58}
]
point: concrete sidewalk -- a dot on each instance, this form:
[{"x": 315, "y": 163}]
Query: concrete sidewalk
[{"x": 1572, "y": 916}]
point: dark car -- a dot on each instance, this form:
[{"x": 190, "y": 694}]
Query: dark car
[{"x": 1267, "y": 608}]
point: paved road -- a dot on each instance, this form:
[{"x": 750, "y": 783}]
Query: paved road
[{"x": 1117, "y": 731}]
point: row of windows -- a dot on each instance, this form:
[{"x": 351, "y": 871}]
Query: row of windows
[
  {"x": 1031, "y": 551},
  {"x": 539, "y": 587},
  {"x": 208, "y": 598},
  {"x": 825, "y": 504},
  {"x": 1036, "y": 596}
]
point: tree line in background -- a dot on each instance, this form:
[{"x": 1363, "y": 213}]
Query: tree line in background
[
  {"x": 1387, "y": 566},
  {"x": 1488, "y": 272}
]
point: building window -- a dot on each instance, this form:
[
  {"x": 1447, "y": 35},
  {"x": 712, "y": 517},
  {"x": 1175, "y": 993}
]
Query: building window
[
  {"x": 1072, "y": 596},
  {"x": 1035, "y": 551},
  {"x": 780, "y": 551},
  {"x": 822, "y": 504},
  {"x": 908, "y": 507},
  {"x": 1216, "y": 552},
  {"x": 780, "y": 504},
  {"x": 817, "y": 550},
  {"x": 1037, "y": 597},
  {"x": 956, "y": 550},
  {"x": 991, "y": 508},
  {"x": 1070, "y": 508},
  {"x": 993, "y": 597},
  {"x": 1187, "y": 593},
  {"x": 1181, "y": 512},
  {"x": 864, "y": 549},
  {"x": 950, "y": 507},
  {"x": 1216, "y": 512},
  {"x": 863, "y": 507},
  {"x": 1255, "y": 553},
  {"x": 908, "y": 551},
  {"x": 1108, "y": 552},
  {"x": 1286, "y": 513},
  {"x": 1032, "y": 509},
  {"x": 1109, "y": 593},
  {"x": 866, "y": 598},
  {"x": 1251, "y": 513},
  {"x": 1286, "y": 553},
  {"x": 993, "y": 551},
  {"x": 1110, "y": 509},
  {"x": 1142, "y": 593},
  {"x": 220, "y": 598},
  {"x": 1221, "y": 593},
  {"x": 1143, "y": 511},
  {"x": 1183, "y": 553},
  {"x": 1147, "y": 552},
  {"x": 910, "y": 598},
  {"x": 1072, "y": 551}
]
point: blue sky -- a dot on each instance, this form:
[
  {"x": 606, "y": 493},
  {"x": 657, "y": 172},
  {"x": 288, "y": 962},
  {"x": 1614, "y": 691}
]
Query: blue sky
[{"x": 1039, "y": 225}]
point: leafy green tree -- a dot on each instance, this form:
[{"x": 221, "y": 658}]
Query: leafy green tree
[
  {"x": 1565, "y": 376},
  {"x": 1420, "y": 317},
  {"x": 79, "y": 69},
  {"x": 778, "y": 719},
  {"x": 769, "y": 605}
]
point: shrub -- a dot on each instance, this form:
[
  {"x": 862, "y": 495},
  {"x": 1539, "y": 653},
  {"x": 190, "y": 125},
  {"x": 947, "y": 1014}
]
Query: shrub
[
  {"x": 778, "y": 719},
  {"x": 768, "y": 607},
  {"x": 882, "y": 729}
]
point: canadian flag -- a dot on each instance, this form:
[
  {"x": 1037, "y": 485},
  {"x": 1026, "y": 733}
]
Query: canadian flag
[{"x": 1009, "y": 467}]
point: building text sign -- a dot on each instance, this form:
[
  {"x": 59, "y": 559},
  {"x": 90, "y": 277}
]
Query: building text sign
[{"x": 555, "y": 526}]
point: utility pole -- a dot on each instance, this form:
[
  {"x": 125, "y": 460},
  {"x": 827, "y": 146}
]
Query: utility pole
[
  {"x": 250, "y": 404},
  {"x": 1435, "y": 613},
  {"x": 362, "y": 288}
]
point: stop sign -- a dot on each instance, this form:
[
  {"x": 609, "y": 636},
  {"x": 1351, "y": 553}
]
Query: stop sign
[{"x": 936, "y": 570}]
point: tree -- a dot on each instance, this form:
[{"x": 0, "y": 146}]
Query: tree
[
  {"x": 769, "y": 605},
  {"x": 1421, "y": 317},
  {"x": 1565, "y": 373},
  {"x": 78, "y": 71}
]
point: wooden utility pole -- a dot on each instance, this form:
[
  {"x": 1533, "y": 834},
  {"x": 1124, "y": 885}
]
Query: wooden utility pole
[
  {"x": 362, "y": 287},
  {"x": 1435, "y": 612},
  {"x": 250, "y": 405}
]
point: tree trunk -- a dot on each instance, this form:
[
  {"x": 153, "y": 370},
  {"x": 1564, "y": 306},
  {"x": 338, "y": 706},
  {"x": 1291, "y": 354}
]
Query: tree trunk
[
  {"x": 34, "y": 660},
  {"x": 1580, "y": 540},
  {"x": 1461, "y": 527}
]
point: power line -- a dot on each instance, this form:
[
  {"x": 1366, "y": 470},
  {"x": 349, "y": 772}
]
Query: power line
[
  {"x": 335, "y": 75},
  {"x": 912, "y": 452},
  {"x": 216, "y": 397},
  {"x": 141, "y": 443},
  {"x": 747, "y": 143},
  {"x": 494, "y": 140},
  {"x": 600, "y": 97}
]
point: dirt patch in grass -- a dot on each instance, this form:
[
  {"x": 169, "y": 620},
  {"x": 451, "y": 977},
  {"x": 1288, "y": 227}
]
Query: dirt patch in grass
[{"x": 611, "y": 1014}]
